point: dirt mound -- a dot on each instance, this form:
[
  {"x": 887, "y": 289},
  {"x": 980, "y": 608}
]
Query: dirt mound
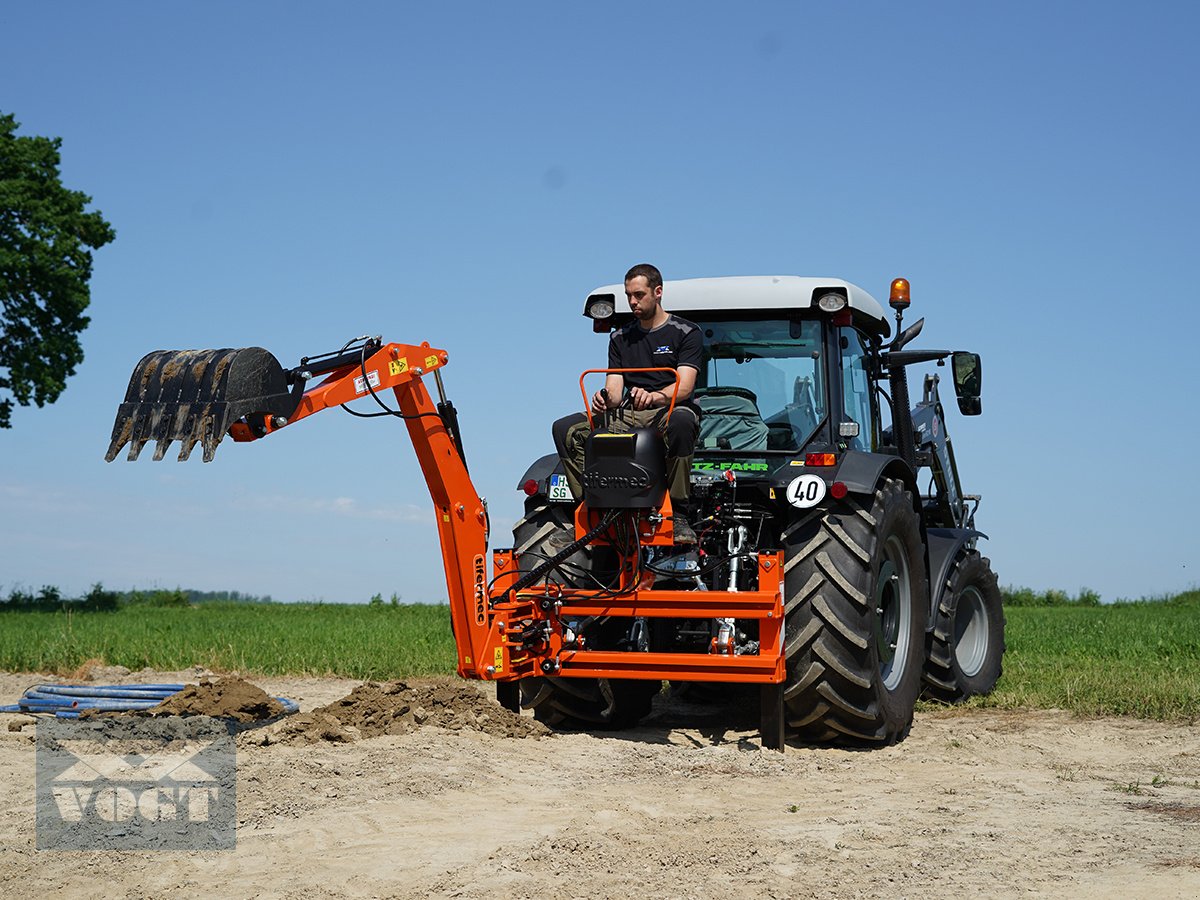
[
  {"x": 231, "y": 698},
  {"x": 371, "y": 710}
]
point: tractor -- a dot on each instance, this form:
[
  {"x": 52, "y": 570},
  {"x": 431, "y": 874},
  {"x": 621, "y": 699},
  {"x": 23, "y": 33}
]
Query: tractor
[{"x": 823, "y": 574}]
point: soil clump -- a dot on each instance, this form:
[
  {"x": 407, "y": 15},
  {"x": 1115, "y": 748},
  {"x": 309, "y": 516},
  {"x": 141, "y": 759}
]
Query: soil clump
[
  {"x": 373, "y": 709},
  {"x": 230, "y": 698}
]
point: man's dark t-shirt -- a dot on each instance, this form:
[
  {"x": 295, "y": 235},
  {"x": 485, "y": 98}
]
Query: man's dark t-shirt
[{"x": 675, "y": 343}]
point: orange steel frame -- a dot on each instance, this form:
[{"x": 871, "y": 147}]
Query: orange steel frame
[{"x": 502, "y": 636}]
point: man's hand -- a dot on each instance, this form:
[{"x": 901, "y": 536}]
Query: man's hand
[
  {"x": 599, "y": 402},
  {"x": 640, "y": 398}
]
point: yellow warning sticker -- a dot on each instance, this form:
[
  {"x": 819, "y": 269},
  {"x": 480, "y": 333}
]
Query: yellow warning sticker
[
  {"x": 772, "y": 493},
  {"x": 398, "y": 366},
  {"x": 430, "y": 362},
  {"x": 499, "y": 661}
]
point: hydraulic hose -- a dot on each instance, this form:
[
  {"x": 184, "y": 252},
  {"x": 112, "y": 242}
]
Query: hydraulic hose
[
  {"x": 542, "y": 568},
  {"x": 67, "y": 701}
]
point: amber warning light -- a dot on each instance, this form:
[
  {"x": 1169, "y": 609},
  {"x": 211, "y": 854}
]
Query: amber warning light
[{"x": 899, "y": 298}]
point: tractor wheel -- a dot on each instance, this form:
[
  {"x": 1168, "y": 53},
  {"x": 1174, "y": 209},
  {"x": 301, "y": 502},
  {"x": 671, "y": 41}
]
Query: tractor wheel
[
  {"x": 544, "y": 530},
  {"x": 572, "y": 703},
  {"x": 855, "y": 619},
  {"x": 582, "y": 703},
  {"x": 966, "y": 647}
]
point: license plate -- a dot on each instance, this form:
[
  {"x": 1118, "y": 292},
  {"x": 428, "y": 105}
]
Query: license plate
[{"x": 560, "y": 491}]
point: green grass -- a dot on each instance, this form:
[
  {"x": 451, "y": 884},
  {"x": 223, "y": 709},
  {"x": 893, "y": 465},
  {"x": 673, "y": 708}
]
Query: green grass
[
  {"x": 275, "y": 639},
  {"x": 1136, "y": 659}
]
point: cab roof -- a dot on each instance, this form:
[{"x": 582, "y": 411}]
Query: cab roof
[{"x": 754, "y": 293}]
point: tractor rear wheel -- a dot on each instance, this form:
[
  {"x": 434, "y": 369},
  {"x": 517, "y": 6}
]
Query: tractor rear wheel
[
  {"x": 583, "y": 703},
  {"x": 856, "y": 596},
  {"x": 966, "y": 647},
  {"x": 572, "y": 703}
]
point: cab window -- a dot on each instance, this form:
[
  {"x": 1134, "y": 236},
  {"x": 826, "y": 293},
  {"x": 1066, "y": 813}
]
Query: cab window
[{"x": 856, "y": 389}]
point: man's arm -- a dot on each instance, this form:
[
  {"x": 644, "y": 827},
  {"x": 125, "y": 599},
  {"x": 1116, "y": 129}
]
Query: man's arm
[{"x": 643, "y": 399}]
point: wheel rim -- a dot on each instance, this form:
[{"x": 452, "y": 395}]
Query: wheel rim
[
  {"x": 893, "y": 613},
  {"x": 970, "y": 631}
]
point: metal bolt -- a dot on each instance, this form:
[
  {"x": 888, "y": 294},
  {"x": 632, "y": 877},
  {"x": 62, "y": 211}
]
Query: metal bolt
[
  {"x": 279, "y": 421},
  {"x": 491, "y": 670},
  {"x": 879, "y": 610},
  {"x": 417, "y": 370},
  {"x": 499, "y": 626},
  {"x": 895, "y": 578}
]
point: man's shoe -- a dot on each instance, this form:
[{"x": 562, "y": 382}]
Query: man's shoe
[{"x": 683, "y": 532}]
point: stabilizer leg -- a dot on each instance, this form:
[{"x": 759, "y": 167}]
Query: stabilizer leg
[
  {"x": 771, "y": 724},
  {"x": 508, "y": 695}
]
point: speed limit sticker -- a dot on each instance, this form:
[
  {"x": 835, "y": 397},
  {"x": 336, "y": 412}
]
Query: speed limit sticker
[{"x": 806, "y": 491}]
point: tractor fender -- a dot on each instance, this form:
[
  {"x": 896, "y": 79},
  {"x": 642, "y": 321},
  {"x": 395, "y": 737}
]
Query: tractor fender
[
  {"x": 943, "y": 546},
  {"x": 541, "y": 471},
  {"x": 861, "y": 472}
]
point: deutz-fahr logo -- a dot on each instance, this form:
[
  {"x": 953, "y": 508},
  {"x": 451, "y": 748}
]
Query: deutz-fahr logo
[
  {"x": 480, "y": 589},
  {"x": 704, "y": 466}
]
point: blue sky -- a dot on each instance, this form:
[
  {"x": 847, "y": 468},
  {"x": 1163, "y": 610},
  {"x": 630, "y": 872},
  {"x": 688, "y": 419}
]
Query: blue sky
[{"x": 294, "y": 174}]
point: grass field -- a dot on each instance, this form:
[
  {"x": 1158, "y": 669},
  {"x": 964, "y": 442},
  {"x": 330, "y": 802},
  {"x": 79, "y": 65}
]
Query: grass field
[
  {"x": 1137, "y": 659},
  {"x": 356, "y": 641},
  {"x": 1132, "y": 659}
]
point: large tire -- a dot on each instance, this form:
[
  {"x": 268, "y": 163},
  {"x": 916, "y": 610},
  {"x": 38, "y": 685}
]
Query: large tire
[
  {"x": 544, "y": 530},
  {"x": 966, "y": 646},
  {"x": 855, "y": 619},
  {"x": 572, "y": 703},
  {"x": 586, "y": 703}
]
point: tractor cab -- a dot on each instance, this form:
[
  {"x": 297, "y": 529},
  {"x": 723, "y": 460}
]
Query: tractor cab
[{"x": 787, "y": 367}]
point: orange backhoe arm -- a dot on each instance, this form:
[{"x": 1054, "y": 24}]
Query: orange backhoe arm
[{"x": 461, "y": 512}]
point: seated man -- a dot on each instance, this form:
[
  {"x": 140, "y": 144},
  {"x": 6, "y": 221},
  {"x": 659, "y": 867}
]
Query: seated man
[{"x": 654, "y": 339}]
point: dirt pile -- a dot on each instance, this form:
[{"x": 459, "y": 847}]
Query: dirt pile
[
  {"x": 231, "y": 698},
  {"x": 371, "y": 710}
]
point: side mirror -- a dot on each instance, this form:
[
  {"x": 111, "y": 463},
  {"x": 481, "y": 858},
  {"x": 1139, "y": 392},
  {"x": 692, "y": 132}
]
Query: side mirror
[{"x": 968, "y": 376}]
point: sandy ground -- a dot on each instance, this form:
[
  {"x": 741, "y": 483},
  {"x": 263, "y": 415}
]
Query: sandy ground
[{"x": 974, "y": 803}]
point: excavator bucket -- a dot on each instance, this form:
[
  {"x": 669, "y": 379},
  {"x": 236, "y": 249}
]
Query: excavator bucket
[{"x": 194, "y": 396}]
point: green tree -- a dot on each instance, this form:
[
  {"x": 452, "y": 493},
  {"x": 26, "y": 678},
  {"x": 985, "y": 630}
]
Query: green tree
[{"x": 46, "y": 239}]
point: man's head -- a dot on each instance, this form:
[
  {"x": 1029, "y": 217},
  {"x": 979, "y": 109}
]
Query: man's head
[{"x": 643, "y": 290}]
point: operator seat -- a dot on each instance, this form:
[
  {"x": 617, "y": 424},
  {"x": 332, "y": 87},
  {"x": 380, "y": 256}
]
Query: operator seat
[{"x": 730, "y": 419}]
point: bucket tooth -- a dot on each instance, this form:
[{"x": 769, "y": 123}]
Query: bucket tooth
[
  {"x": 185, "y": 448},
  {"x": 121, "y": 432}
]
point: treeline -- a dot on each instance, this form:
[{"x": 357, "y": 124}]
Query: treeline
[
  {"x": 1023, "y": 596},
  {"x": 97, "y": 599}
]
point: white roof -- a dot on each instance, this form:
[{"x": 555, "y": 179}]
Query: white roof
[{"x": 755, "y": 292}]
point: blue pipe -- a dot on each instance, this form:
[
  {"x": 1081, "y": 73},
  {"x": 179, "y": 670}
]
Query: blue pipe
[
  {"x": 54, "y": 691},
  {"x": 67, "y": 700}
]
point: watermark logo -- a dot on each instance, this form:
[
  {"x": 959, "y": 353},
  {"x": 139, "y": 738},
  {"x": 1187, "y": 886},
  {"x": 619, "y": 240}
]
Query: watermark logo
[{"x": 135, "y": 784}]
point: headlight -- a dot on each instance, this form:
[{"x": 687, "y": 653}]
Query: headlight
[
  {"x": 831, "y": 303},
  {"x": 601, "y": 307}
]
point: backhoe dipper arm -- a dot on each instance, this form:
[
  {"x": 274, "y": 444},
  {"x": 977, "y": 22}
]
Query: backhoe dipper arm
[{"x": 461, "y": 517}]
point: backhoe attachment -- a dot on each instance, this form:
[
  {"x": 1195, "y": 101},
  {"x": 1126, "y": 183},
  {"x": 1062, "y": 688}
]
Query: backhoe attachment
[{"x": 195, "y": 396}]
